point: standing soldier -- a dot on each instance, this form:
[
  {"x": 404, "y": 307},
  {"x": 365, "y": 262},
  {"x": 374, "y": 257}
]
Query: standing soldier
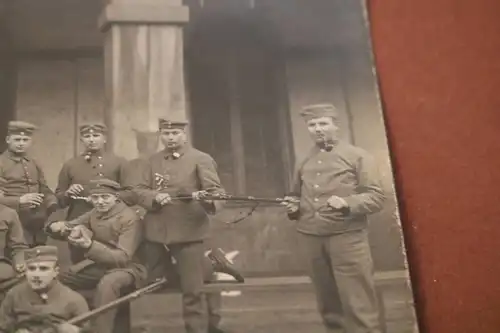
[
  {"x": 337, "y": 186},
  {"x": 180, "y": 226},
  {"x": 41, "y": 300},
  {"x": 25, "y": 187},
  {"x": 75, "y": 175},
  {"x": 110, "y": 234}
]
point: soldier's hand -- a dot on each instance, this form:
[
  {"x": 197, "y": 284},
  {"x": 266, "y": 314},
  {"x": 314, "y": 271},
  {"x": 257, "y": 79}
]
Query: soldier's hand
[
  {"x": 22, "y": 330},
  {"x": 67, "y": 328},
  {"x": 20, "y": 268},
  {"x": 163, "y": 198},
  {"x": 82, "y": 240},
  {"x": 59, "y": 226},
  {"x": 74, "y": 190},
  {"x": 33, "y": 199},
  {"x": 291, "y": 204},
  {"x": 337, "y": 203},
  {"x": 200, "y": 195}
]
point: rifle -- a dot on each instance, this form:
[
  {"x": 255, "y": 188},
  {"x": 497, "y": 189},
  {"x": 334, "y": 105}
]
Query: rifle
[
  {"x": 229, "y": 197},
  {"x": 127, "y": 298}
]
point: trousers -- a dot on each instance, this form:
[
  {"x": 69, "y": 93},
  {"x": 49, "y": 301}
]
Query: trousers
[
  {"x": 190, "y": 272},
  {"x": 109, "y": 286},
  {"x": 341, "y": 269}
]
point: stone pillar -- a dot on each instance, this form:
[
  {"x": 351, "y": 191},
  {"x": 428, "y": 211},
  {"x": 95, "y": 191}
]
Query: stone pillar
[{"x": 144, "y": 68}]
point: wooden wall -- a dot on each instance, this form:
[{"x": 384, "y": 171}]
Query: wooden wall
[{"x": 58, "y": 95}]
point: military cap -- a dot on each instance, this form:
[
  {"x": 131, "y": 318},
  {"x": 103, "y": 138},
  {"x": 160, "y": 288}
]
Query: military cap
[
  {"x": 41, "y": 253},
  {"x": 21, "y": 128},
  {"x": 104, "y": 185},
  {"x": 313, "y": 111},
  {"x": 93, "y": 128},
  {"x": 164, "y": 123}
]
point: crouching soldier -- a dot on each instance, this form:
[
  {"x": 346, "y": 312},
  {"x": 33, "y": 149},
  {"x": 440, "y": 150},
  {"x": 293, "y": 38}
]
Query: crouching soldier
[
  {"x": 110, "y": 235},
  {"x": 41, "y": 302},
  {"x": 12, "y": 245}
]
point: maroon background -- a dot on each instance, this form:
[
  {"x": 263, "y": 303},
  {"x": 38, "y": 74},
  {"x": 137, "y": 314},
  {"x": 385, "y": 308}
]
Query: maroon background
[{"x": 439, "y": 71}]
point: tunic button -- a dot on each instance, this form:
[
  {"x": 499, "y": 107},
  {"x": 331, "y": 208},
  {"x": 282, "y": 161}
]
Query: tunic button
[
  {"x": 316, "y": 199},
  {"x": 99, "y": 157},
  {"x": 318, "y": 174},
  {"x": 316, "y": 186},
  {"x": 319, "y": 162},
  {"x": 100, "y": 174},
  {"x": 99, "y": 165}
]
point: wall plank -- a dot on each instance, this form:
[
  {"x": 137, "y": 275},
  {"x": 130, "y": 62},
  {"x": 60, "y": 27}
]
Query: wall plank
[
  {"x": 46, "y": 97},
  {"x": 90, "y": 92}
]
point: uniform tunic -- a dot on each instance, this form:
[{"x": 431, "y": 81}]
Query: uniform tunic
[
  {"x": 22, "y": 303},
  {"x": 22, "y": 175},
  {"x": 116, "y": 239},
  {"x": 177, "y": 222},
  {"x": 12, "y": 242},
  {"x": 348, "y": 172},
  {"x": 12, "y": 246},
  {"x": 81, "y": 170}
]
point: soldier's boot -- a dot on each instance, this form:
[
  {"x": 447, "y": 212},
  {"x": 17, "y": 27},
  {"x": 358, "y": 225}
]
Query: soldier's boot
[{"x": 222, "y": 265}]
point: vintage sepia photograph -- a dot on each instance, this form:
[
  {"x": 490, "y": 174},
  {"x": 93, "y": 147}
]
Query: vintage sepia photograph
[{"x": 197, "y": 166}]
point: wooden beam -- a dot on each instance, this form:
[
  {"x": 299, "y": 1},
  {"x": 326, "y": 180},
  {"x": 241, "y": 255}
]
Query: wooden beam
[
  {"x": 142, "y": 13},
  {"x": 237, "y": 143}
]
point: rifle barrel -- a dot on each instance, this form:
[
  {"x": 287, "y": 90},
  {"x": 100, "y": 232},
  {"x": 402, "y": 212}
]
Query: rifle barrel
[
  {"x": 139, "y": 292},
  {"x": 233, "y": 198}
]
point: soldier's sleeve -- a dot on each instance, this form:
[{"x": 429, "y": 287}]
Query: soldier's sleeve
[
  {"x": 128, "y": 243},
  {"x": 127, "y": 173},
  {"x": 209, "y": 181},
  {"x": 79, "y": 305},
  {"x": 7, "y": 319},
  {"x": 83, "y": 220},
  {"x": 295, "y": 190},
  {"x": 49, "y": 196},
  {"x": 141, "y": 181},
  {"x": 63, "y": 184},
  {"x": 370, "y": 196},
  {"x": 11, "y": 201},
  {"x": 15, "y": 239}
]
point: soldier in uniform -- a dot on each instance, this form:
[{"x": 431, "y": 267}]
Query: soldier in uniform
[
  {"x": 25, "y": 187},
  {"x": 41, "y": 298},
  {"x": 337, "y": 186},
  {"x": 12, "y": 249},
  {"x": 179, "y": 226},
  {"x": 110, "y": 234},
  {"x": 75, "y": 175}
]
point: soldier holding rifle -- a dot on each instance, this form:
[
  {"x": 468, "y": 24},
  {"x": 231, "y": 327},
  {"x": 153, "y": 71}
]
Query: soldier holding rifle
[
  {"x": 25, "y": 187},
  {"x": 41, "y": 302},
  {"x": 110, "y": 236},
  {"x": 339, "y": 187},
  {"x": 178, "y": 229}
]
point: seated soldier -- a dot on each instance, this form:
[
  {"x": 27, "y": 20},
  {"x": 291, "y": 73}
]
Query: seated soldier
[
  {"x": 110, "y": 235},
  {"x": 12, "y": 245},
  {"x": 41, "y": 302}
]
